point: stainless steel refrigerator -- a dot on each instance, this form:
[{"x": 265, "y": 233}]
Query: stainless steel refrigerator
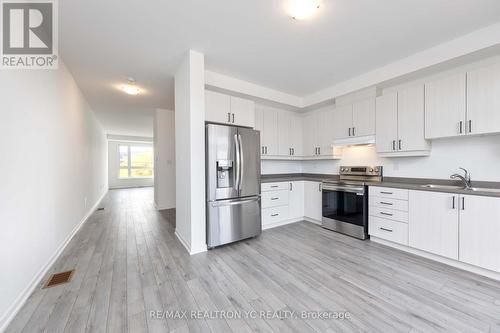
[{"x": 233, "y": 184}]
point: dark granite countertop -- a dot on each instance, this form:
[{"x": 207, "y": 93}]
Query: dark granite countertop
[{"x": 394, "y": 182}]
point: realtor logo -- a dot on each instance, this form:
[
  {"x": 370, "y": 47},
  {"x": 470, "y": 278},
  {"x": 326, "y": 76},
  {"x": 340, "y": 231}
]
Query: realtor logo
[{"x": 29, "y": 34}]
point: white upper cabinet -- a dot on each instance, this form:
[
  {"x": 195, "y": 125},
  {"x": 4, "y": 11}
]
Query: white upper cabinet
[
  {"x": 387, "y": 123},
  {"x": 483, "y": 100},
  {"x": 325, "y": 120},
  {"x": 225, "y": 109},
  {"x": 318, "y": 134},
  {"x": 342, "y": 125},
  {"x": 310, "y": 147},
  {"x": 289, "y": 134},
  {"x": 284, "y": 122},
  {"x": 445, "y": 109},
  {"x": 411, "y": 119},
  {"x": 479, "y": 230},
  {"x": 296, "y": 134},
  {"x": 242, "y": 112},
  {"x": 363, "y": 117},
  {"x": 217, "y": 107},
  {"x": 266, "y": 121},
  {"x": 355, "y": 119},
  {"x": 433, "y": 222},
  {"x": 400, "y": 123}
]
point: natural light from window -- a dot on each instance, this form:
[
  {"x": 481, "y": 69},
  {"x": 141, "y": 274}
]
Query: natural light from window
[{"x": 136, "y": 161}]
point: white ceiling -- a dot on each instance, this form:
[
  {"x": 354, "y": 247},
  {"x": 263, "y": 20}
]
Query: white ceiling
[{"x": 104, "y": 41}]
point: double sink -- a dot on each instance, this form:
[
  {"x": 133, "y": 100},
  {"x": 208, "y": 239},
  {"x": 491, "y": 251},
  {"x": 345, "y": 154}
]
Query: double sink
[{"x": 453, "y": 187}]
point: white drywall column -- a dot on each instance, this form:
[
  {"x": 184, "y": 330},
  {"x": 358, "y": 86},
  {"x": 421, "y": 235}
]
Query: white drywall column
[
  {"x": 190, "y": 152},
  {"x": 164, "y": 143}
]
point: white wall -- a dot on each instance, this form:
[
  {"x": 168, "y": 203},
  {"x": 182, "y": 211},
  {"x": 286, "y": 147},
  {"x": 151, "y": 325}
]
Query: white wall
[
  {"x": 276, "y": 166},
  {"x": 114, "y": 165},
  {"x": 53, "y": 167},
  {"x": 164, "y": 146},
  {"x": 190, "y": 152},
  {"x": 479, "y": 154}
]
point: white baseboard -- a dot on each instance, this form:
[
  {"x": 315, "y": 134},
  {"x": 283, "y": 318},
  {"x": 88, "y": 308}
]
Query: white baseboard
[
  {"x": 158, "y": 207},
  {"x": 285, "y": 222},
  {"x": 443, "y": 260},
  {"x": 12, "y": 311},
  {"x": 187, "y": 247}
]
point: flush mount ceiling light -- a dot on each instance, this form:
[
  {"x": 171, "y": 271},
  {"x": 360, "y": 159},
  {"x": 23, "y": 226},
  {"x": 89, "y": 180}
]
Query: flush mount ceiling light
[
  {"x": 303, "y": 9},
  {"x": 131, "y": 88}
]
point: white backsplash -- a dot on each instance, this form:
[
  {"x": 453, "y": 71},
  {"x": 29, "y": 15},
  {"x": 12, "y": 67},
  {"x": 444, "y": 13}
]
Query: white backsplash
[{"x": 479, "y": 154}]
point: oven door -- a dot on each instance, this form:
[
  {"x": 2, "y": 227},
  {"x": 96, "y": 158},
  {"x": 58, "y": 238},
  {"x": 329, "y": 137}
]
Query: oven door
[{"x": 344, "y": 209}]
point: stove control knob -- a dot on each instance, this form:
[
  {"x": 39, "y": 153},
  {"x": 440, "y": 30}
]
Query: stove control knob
[{"x": 371, "y": 169}]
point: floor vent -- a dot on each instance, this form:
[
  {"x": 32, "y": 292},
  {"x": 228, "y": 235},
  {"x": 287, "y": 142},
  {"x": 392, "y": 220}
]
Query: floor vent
[{"x": 59, "y": 278}]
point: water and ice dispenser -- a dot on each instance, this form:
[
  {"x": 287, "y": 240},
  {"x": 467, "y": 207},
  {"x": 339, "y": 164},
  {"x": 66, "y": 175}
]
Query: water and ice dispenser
[{"x": 225, "y": 176}]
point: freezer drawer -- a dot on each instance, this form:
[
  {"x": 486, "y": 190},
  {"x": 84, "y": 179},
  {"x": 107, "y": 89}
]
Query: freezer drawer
[{"x": 233, "y": 220}]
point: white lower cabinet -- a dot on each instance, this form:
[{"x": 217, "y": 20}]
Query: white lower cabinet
[
  {"x": 434, "y": 223},
  {"x": 313, "y": 200},
  {"x": 463, "y": 228},
  {"x": 393, "y": 231},
  {"x": 479, "y": 231},
  {"x": 282, "y": 203},
  {"x": 296, "y": 200}
]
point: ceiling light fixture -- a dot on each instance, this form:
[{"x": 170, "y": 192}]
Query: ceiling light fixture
[
  {"x": 303, "y": 9},
  {"x": 131, "y": 88}
]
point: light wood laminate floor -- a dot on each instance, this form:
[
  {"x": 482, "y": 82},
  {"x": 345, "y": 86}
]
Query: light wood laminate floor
[{"x": 128, "y": 263}]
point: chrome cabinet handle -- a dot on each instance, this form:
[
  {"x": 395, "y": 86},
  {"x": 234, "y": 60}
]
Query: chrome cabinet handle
[
  {"x": 353, "y": 133},
  {"x": 453, "y": 203},
  {"x": 274, "y": 186},
  {"x": 233, "y": 118},
  {"x": 460, "y": 127},
  {"x": 274, "y": 199},
  {"x": 319, "y": 187},
  {"x": 229, "y": 117},
  {"x": 274, "y": 215},
  {"x": 319, "y": 150},
  {"x": 388, "y": 230},
  {"x": 386, "y": 214},
  {"x": 349, "y": 131},
  {"x": 463, "y": 203},
  {"x": 386, "y": 203},
  {"x": 291, "y": 186},
  {"x": 399, "y": 144},
  {"x": 386, "y": 192},
  {"x": 470, "y": 126},
  {"x": 393, "y": 144}
]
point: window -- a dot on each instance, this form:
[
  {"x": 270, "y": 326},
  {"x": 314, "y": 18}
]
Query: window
[{"x": 136, "y": 161}]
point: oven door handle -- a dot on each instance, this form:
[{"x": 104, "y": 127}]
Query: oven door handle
[{"x": 360, "y": 190}]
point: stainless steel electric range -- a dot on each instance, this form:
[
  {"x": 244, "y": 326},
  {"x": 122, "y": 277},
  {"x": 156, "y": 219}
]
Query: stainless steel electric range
[{"x": 345, "y": 202}]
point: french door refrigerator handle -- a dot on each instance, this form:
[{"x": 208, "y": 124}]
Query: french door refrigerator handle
[
  {"x": 238, "y": 171},
  {"x": 242, "y": 162},
  {"x": 233, "y": 202}
]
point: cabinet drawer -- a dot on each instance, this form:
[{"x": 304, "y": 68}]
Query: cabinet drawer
[
  {"x": 274, "y": 198},
  {"x": 387, "y": 192},
  {"x": 393, "y": 231},
  {"x": 265, "y": 187},
  {"x": 389, "y": 203},
  {"x": 274, "y": 215},
  {"x": 389, "y": 214}
]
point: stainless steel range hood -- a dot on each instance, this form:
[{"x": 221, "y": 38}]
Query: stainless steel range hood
[{"x": 355, "y": 141}]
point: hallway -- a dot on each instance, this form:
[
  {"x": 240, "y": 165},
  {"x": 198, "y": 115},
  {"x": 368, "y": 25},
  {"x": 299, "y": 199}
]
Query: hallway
[{"x": 129, "y": 263}]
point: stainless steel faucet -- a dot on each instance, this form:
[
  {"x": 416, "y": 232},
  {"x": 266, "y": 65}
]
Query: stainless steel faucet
[{"x": 465, "y": 179}]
